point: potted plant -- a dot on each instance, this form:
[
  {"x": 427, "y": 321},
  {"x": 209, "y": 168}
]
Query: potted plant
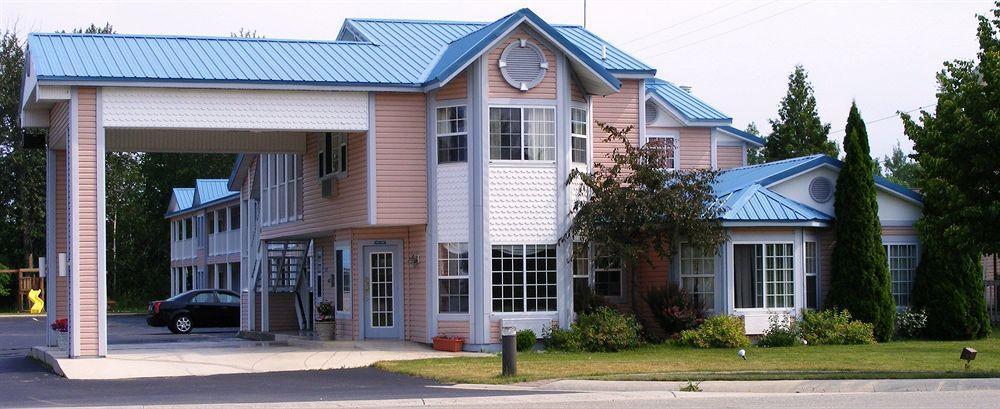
[
  {"x": 447, "y": 343},
  {"x": 61, "y": 326},
  {"x": 326, "y": 321}
]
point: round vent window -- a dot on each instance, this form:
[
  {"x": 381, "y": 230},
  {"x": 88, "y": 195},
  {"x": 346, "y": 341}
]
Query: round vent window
[
  {"x": 523, "y": 65},
  {"x": 821, "y": 189},
  {"x": 651, "y": 112}
]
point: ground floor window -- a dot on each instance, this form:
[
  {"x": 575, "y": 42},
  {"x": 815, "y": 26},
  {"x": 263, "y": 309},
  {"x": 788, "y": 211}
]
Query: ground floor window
[
  {"x": 453, "y": 278},
  {"x": 902, "y": 268},
  {"x": 581, "y": 269},
  {"x": 607, "y": 274},
  {"x": 764, "y": 275},
  {"x": 524, "y": 277},
  {"x": 342, "y": 276},
  {"x": 812, "y": 272},
  {"x": 698, "y": 274}
]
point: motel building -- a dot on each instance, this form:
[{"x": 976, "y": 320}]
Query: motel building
[{"x": 412, "y": 174}]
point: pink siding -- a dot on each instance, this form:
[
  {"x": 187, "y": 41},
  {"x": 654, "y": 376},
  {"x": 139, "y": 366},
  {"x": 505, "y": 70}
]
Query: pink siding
[
  {"x": 401, "y": 159},
  {"x": 575, "y": 93},
  {"x": 457, "y": 88},
  {"x": 58, "y": 121},
  {"x": 414, "y": 278},
  {"x": 86, "y": 231},
  {"x": 696, "y": 148},
  {"x": 62, "y": 283},
  {"x": 621, "y": 110},
  {"x": 320, "y": 214},
  {"x": 729, "y": 157},
  {"x": 499, "y": 88},
  {"x": 453, "y": 328}
]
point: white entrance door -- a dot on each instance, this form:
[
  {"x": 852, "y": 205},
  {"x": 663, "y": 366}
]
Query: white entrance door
[{"x": 383, "y": 278}]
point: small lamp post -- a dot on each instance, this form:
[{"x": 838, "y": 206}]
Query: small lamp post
[
  {"x": 509, "y": 351},
  {"x": 968, "y": 355}
]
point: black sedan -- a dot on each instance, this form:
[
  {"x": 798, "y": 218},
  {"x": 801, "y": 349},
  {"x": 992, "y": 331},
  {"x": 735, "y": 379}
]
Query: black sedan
[{"x": 196, "y": 308}]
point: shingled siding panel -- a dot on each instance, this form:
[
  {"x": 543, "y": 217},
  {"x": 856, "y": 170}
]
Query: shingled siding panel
[
  {"x": 499, "y": 88},
  {"x": 401, "y": 159},
  {"x": 86, "y": 232},
  {"x": 620, "y": 109}
]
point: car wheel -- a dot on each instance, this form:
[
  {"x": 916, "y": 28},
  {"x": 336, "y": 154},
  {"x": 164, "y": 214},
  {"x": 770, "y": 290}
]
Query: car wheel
[{"x": 181, "y": 325}]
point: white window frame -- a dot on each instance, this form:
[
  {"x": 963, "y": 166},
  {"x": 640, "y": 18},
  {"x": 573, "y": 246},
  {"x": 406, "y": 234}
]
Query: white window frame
[
  {"x": 675, "y": 138},
  {"x": 585, "y": 136},
  {"x": 278, "y": 189},
  {"x": 698, "y": 255},
  {"x": 338, "y": 158},
  {"x": 596, "y": 263},
  {"x": 764, "y": 294},
  {"x": 522, "y": 108},
  {"x": 811, "y": 261},
  {"x": 438, "y": 121},
  {"x": 524, "y": 284},
  {"x": 887, "y": 247},
  {"x": 444, "y": 273}
]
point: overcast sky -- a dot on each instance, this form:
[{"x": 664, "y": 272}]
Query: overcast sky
[{"x": 735, "y": 54}]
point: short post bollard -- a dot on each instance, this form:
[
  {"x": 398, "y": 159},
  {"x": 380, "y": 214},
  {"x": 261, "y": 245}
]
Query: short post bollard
[{"x": 509, "y": 352}]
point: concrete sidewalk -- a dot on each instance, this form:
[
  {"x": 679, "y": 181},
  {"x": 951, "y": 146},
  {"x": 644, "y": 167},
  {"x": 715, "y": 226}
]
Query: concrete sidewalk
[{"x": 230, "y": 357}]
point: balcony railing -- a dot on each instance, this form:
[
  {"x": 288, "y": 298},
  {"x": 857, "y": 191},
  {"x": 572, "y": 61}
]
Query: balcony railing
[
  {"x": 226, "y": 242},
  {"x": 183, "y": 249}
]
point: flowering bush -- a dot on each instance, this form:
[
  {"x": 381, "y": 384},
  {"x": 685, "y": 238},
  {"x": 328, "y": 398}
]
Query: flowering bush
[
  {"x": 674, "y": 309},
  {"x": 60, "y": 325},
  {"x": 325, "y": 311}
]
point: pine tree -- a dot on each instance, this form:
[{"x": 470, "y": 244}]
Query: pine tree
[
  {"x": 798, "y": 131},
  {"x": 860, "y": 281},
  {"x": 899, "y": 168},
  {"x": 755, "y": 156}
]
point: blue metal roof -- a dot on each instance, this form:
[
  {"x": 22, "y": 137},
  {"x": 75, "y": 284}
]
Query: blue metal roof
[
  {"x": 207, "y": 192},
  {"x": 758, "y": 204},
  {"x": 398, "y": 53},
  {"x": 745, "y": 196},
  {"x": 746, "y": 136},
  {"x": 689, "y": 106}
]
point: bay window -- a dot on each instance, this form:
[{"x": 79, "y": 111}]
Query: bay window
[
  {"x": 451, "y": 134},
  {"x": 764, "y": 275},
  {"x": 524, "y": 278},
  {"x": 453, "y": 278},
  {"x": 578, "y": 135},
  {"x": 698, "y": 274},
  {"x": 902, "y": 260},
  {"x": 522, "y": 133}
]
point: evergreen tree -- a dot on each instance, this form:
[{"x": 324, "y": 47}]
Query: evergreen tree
[
  {"x": 960, "y": 179},
  {"x": 860, "y": 281},
  {"x": 755, "y": 156},
  {"x": 899, "y": 168},
  {"x": 798, "y": 131}
]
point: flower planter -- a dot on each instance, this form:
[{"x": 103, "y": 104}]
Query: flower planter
[
  {"x": 448, "y": 344},
  {"x": 62, "y": 340},
  {"x": 325, "y": 330}
]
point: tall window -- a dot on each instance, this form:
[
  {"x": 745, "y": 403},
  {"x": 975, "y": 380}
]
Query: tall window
[
  {"x": 453, "y": 278},
  {"x": 523, "y": 133},
  {"x": 581, "y": 268},
  {"x": 812, "y": 272},
  {"x": 451, "y": 134},
  {"x": 189, "y": 228},
  {"x": 332, "y": 155},
  {"x": 698, "y": 274},
  {"x": 234, "y": 217},
  {"x": 607, "y": 274},
  {"x": 281, "y": 181},
  {"x": 578, "y": 134},
  {"x": 764, "y": 275},
  {"x": 667, "y": 145},
  {"x": 902, "y": 267},
  {"x": 342, "y": 276},
  {"x": 524, "y": 278}
]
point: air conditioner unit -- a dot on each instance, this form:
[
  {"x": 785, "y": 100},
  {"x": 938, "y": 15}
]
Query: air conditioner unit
[{"x": 328, "y": 188}]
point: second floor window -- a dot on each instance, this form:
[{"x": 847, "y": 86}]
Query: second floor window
[
  {"x": 451, "y": 134},
  {"x": 523, "y": 133},
  {"x": 281, "y": 180},
  {"x": 667, "y": 145},
  {"x": 332, "y": 156},
  {"x": 578, "y": 132}
]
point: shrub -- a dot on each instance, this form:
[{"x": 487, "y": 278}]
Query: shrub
[
  {"x": 781, "y": 333},
  {"x": 607, "y": 330},
  {"x": 673, "y": 308},
  {"x": 526, "y": 340},
  {"x": 558, "y": 339},
  {"x": 586, "y": 300},
  {"x": 835, "y": 328},
  {"x": 910, "y": 323},
  {"x": 720, "y": 331}
]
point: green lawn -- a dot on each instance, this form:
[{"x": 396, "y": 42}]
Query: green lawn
[{"x": 902, "y": 359}]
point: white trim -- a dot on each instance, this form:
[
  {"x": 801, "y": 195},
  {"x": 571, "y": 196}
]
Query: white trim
[
  {"x": 102, "y": 238},
  {"x": 432, "y": 216},
  {"x": 564, "y": 152},
  {"x": 522, "y": 102},
  {"x": 775, "y": 224},
  {"x": 370, "y": 161},
  {"x": 633, "y": 76},
  {"x": 714, "y": 149},
  {"x": 641, "y": 120}
]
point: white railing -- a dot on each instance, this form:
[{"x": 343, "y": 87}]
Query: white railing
[
  {"x": 184, "y": 249},
  {"x": 226, "y": 242}
]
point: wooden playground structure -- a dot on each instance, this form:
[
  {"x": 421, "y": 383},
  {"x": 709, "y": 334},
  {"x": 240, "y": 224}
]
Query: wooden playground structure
[{"x": 28, "y": 279}]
